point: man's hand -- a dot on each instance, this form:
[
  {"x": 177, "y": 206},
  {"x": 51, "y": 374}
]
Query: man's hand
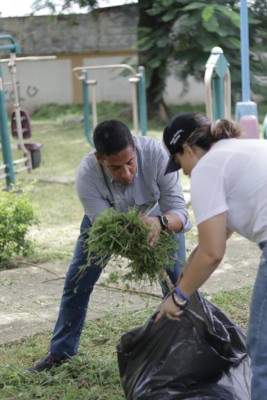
[
  {"x": 170, "y": 310},
  {"x": 155, "y": 229}
]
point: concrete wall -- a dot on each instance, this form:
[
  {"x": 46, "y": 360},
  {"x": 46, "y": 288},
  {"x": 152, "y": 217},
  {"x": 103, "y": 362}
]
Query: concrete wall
[
  {"x": 40, "y": 82},
  {"x": 111, "y": 84},
  {"x": 103, "y": 37},
  {"x": 103, "y": 30}
]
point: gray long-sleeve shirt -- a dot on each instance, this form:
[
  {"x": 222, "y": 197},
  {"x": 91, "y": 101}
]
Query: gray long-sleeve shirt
[{"x": 150, "y": 188}]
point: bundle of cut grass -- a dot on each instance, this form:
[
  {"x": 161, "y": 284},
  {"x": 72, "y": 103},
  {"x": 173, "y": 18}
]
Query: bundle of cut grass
[{"x": 126, "y": 235}]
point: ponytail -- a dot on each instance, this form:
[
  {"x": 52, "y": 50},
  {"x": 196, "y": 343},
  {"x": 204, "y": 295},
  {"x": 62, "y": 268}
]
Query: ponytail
[
  {"x": 224, "y": 129},
  {"x": 207, "y": 133}
]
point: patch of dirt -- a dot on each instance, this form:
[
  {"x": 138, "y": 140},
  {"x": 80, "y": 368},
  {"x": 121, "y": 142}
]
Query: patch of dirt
[{"x": 30, "y": 296}]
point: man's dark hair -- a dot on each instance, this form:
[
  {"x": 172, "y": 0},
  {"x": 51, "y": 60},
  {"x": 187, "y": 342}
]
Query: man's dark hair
[{"x": 111, "y": 137}]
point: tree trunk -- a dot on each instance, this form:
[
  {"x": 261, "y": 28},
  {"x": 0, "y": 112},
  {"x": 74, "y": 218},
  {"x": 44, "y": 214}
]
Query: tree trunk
[{"x": 156, "y": 107}]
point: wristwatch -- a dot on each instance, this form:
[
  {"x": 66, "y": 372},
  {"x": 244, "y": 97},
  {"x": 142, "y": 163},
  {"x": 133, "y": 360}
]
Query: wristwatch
[{"x": 164, "y": 222}]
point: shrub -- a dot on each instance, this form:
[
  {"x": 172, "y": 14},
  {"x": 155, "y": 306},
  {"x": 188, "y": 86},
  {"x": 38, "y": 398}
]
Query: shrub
[{"x": 16, "y": 217}]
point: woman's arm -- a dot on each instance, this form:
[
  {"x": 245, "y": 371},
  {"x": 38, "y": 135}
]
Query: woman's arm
[{"x": 212, "y": 235}]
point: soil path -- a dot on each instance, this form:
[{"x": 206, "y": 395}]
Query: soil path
[{"x": 29, "y": 297}]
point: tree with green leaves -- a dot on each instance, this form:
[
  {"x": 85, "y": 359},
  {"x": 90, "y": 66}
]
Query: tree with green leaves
[
  {"x": 178, "y": 36},
  {"x": 54, "y": 7}
]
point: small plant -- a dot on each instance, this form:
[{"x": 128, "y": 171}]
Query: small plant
[
  {"x": 16, "y": 217},
  {"x": 126, "y": 235}
]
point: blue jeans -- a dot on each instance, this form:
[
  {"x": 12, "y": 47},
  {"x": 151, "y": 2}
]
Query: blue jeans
[
  {"x": 77, "y": 291},
  {"x": 257, "y": 330}
]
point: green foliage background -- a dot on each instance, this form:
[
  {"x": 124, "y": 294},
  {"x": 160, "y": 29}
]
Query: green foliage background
[{"x": 178, "y": 36}]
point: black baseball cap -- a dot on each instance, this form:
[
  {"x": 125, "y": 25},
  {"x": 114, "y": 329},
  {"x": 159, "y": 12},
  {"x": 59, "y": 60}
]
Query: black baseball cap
[{"x": 177, "y": 131}]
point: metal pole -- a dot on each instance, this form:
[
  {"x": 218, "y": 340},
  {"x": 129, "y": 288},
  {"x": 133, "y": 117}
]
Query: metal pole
[
  {"x": 227, "y": 95},
  {"x": 208, "y": 91},
  {"x": 134, "y": 82},
  {"x": 246, "y": 109},
  {"x": 265, "y": 127},
  {"x": 94, "y": 107},
  {"x": 12, "y": 70},
  {"x": 80, "y": 72},
  {"x": 217, "y": 81},
  {"x": 86, "y": 108},
  {"x": 244, "y": 51},
  {"x": 9, "y": 48},
  {"x": 5, "y": 138},
  {"x": 142, "y": 100},
  {"x": 218, "y": 104}
]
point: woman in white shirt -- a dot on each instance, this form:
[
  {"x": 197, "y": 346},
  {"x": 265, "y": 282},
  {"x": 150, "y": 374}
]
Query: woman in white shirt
[{"x": 228, "y": 193}]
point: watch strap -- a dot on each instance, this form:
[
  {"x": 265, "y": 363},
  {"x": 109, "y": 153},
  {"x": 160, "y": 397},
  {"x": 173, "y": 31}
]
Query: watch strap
[{"x": 164, "y": 225}]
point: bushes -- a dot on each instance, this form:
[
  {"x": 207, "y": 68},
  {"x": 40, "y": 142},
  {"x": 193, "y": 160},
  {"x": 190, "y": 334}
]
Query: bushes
[{"x": 16, "y": 217}]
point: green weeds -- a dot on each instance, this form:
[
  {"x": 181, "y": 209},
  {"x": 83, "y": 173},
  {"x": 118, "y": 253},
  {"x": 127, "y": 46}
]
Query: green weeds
[{"x": 126, "y": 235}]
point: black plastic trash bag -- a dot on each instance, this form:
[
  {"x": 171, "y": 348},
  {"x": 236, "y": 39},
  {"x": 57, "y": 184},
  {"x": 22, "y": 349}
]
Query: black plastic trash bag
[{"x": 202, "y": 356}]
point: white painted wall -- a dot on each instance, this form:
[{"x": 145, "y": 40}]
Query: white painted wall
[
  {"x": 50, "y": 81},
  {"x": 40, "y": 82},
  {"x": 174, "y": 92},
  {"x": 112, "y": 87}
]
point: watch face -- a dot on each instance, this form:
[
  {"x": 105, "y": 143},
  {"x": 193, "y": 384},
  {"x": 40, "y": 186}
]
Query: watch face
[{"x": 165, "y": 221}]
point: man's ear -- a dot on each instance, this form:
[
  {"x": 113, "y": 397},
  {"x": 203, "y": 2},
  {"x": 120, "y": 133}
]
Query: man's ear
[{"x": 99, "y": 157}]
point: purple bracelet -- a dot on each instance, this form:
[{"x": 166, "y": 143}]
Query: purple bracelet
[{"x": 180, "y": 294}]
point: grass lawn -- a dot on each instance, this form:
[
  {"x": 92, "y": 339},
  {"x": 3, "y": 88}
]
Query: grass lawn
[{"x": 94, "y": 373}]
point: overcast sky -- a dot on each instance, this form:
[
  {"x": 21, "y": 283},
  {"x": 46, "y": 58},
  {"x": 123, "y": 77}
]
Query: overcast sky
[{"x": 18, "y": 8}]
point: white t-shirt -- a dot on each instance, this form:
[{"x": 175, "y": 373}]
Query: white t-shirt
[{"x": 232, "y": 177}]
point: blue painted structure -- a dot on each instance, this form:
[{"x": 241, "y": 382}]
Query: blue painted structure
[
  {"x": 138, "y": 78},
  {"x": 217, "y": 86},
  {"x": 246, "y": 107},
  {"x": 142, "y": 99},
  {"x": 11, "y": 47},
  {"x": 265, "y": 127}
]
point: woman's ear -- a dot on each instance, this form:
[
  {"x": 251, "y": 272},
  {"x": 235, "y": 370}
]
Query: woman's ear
[{"x": 187, "y": 148}]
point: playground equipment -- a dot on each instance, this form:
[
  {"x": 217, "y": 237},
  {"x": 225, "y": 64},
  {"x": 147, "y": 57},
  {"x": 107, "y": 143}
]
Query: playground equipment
[
  {"x": 217, "y": 83},
  {"x": 138, "y": 89},
  {"x": 20, "y": 122},
  {"x": 8, "y": 167},
  {"x": 21, "y": 125},
  {"x": 246, "y": 110},
  {"x": 265, "y": 127}
]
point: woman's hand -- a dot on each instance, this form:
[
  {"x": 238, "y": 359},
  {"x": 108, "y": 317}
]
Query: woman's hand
[
  {"x": 155, "y": 229},
  {"x": 170, "y": 310}
]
